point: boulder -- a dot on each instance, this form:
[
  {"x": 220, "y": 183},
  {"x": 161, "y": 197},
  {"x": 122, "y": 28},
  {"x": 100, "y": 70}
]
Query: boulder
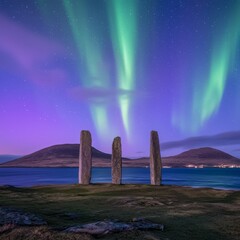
[
  {"x": 108, "y": 226},
  {"x": 18, "y": 217}
]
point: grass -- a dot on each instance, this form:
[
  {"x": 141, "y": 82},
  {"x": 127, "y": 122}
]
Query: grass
[{"x": 186, "y": 213}]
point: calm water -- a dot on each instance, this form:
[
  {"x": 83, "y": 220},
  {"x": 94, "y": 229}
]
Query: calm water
[{"x": 207, "y": 177}]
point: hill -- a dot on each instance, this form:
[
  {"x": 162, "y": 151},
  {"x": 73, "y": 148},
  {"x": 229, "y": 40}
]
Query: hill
[
  {"x": 63, "y": 155},
  {"x": 66, "y": 155},
  {"x": 206, "y": 157}
]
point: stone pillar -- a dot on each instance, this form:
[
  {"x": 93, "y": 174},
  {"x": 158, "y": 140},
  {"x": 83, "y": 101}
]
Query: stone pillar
[
  {"x": 117, "y": 161},
  {"x": 85, "y": 157},
  {"x": 155, "y": 159}
]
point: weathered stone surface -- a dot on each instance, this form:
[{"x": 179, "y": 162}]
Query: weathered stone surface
[
  {"x": 116, "y": 161},
  {"x": 155, "y": 159},
  {"x": 85, "y": 157},
  {"x": 17, "y": 217},
  {"x": 105, "y": 227},
  {"x": 7, "y": 227}
]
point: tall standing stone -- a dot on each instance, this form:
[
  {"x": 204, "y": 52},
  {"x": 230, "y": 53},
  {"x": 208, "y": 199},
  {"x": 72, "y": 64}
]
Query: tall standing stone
[
  {"x": 155, "y": 159},
  {"x": 85, "y": 157},
  {"x": 116, "y": 161}
]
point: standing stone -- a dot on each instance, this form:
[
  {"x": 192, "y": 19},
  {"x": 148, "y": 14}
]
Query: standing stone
[
  {"x": 116, "y": 161},
  {"x": 85, "y": 157},
  {"x": 155, "y": 159}
]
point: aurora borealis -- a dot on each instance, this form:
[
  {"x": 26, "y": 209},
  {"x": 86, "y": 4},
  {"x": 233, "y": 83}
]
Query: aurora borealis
[
  {"x": 119, "y": 68},
  {"x": 223, "y": 56},
  {"x": 124, "y": 29}
]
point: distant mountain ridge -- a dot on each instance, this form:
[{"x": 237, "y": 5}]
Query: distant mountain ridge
[
  {"x": 7, "y": 157},
  {"x": 67, "y": 155},
  {"x": 63, "y": 155},
  {"x": 205, "y": 152},
  {"x": 206, "y": 156}
]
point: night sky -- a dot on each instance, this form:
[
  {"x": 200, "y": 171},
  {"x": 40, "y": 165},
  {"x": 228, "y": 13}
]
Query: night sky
[{"x": 120, "y": 68}]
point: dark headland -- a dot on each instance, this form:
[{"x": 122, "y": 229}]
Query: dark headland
[{"x": 66, "y": 155}]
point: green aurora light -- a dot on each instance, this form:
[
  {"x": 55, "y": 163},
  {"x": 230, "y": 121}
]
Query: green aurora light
[
  {"x": 123, "y": 18},
  {"x": 207, "y": 101},
  {"x": 90, "y": 53}
]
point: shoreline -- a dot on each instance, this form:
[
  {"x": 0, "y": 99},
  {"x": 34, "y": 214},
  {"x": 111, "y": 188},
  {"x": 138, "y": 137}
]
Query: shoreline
[
  {"x": 165, "y": 167},
  {"x": 110, "y": 184}
]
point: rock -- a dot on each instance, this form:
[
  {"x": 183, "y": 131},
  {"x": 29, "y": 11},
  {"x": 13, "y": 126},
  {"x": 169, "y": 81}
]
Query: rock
[
  {"x": 116, "y": 161},
  {"x": 8, "y": 227},
  {"x": 85, "y": 157},
  {"x": 105, "y": 227},
  {"x": 155, "y": 159},
  {"x": 138, "y": 219},
  {"x": 100, "y": 228},
  {"x": 17, "y": 217}
]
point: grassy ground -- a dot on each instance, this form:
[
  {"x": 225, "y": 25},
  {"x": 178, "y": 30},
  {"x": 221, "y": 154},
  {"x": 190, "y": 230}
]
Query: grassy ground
[{"x": 186, "y": 213}]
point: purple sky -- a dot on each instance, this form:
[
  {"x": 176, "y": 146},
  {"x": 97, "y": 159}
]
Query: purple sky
[{"x": 120, "y": 68}]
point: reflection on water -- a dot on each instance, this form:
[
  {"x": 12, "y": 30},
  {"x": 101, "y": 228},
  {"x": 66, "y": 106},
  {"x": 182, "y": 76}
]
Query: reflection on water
[{"x": 204, "y": 177}]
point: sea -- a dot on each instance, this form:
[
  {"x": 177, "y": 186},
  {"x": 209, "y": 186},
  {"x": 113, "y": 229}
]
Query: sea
[{"x": 217, "y": 178}]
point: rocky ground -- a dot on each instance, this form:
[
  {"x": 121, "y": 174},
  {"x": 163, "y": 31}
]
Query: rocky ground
[{"x": 108, "y": 212}]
